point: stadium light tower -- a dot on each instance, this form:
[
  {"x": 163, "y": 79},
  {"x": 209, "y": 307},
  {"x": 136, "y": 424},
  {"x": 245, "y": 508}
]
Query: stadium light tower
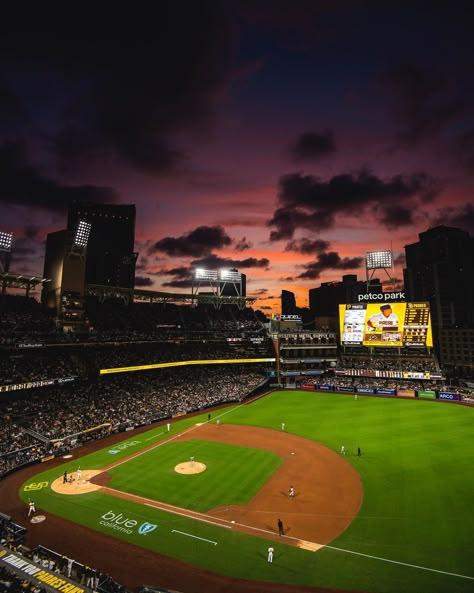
[
  {"x": 80, "y": 238},
  {"x": 378, "y": 260},
  {"x": 6, "y": 241}
]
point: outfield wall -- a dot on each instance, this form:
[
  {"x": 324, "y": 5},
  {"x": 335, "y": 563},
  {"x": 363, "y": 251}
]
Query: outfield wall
[{"x": 418, "y": 393}]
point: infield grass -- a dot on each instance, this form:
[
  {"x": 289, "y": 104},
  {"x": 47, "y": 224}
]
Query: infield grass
[
  {"x": 233, "y": 474},
  {"x": 417, "y": 512}
]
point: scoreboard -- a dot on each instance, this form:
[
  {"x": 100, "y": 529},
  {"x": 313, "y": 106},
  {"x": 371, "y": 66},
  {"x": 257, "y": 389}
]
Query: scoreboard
[{"x": 385, "y": 324}]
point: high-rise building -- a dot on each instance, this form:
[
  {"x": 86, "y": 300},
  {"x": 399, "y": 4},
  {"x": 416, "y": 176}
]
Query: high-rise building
[
  {"x": 288, "y": 303},
  {"x": 439, "y": 269},
  {"x": 111, "y": 257}
]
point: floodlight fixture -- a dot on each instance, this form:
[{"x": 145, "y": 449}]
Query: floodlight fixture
[
  {"x": 203, "y": 274},
  {"x": 230, "y": 275},
  {"x": 379, "y": 260},
  {"x": 6, "y": 240},
  {"x": 81, "y": 236}
]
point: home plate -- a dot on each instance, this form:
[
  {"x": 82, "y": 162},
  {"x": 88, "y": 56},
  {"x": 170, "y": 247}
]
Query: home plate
[{"x": 38, "y": 519}]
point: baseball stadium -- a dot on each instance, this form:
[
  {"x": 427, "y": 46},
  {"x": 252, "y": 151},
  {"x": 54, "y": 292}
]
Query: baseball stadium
[{"x": 186, "y": 443}]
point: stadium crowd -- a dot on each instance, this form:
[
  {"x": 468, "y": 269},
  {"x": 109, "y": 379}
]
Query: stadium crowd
[{"x": 60, "y": 413}]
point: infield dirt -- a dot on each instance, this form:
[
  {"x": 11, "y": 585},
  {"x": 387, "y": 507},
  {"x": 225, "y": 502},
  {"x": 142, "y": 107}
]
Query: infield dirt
[{"x": 328, "y": 495}]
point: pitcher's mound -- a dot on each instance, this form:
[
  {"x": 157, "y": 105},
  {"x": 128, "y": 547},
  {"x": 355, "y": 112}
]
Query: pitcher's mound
[{"x": 190, "y": 468}]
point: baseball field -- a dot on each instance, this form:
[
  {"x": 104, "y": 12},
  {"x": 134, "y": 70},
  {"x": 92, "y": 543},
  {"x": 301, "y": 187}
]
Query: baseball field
[{"x": 397, "y": 517}]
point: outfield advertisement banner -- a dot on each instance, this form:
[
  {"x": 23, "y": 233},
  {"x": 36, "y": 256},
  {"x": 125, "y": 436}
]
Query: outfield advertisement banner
[
  {"x": 39, "y": 383},
  {"x": 427, "y": 394},
  {"x": 385, "y": 391},
  {"x": 344, "y": 389},
  {"x": 448, "y": 395},
  {"x": 385, "y": 324},
  {"x": 406, "y": 392},
  {"x": 365, "y": 390}
]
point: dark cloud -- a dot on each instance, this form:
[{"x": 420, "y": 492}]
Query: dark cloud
[
  {"x": 21, "y": 182},
  {"x": 313, "y": 146},
  {"x": 243, "y": 245},
  {"x": 306, "y": 246},
  {"x": 31, "y": 231},
  {"x": 308, "y": 202},
  {"x": 182, "y": 277},
  {"x": 142, "y": 264},
  {"x": 456, "y": 216},
  {"x": 396, "y": 216},
  {"x": 198, "y": 242},
  {"x": 142, "y": 281},
  {"x": 123, "y": 89},
  {"x": 400, "y": 260},
  {"x": 214, "y": 262},
  {"x": 329, "y": 261},
  {"x": 424, "y": 102}
]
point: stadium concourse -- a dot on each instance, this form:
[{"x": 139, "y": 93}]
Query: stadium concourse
[{"x": 53, "y": 398}]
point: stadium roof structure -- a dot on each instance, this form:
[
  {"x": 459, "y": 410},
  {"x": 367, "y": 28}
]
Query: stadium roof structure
[
  {"x": 9, "y": 280},
  {"x": 135, "y": 294}
]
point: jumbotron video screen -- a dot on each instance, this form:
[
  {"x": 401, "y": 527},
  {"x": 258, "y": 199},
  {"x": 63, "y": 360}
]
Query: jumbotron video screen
[{"x": 385, "y": 324}]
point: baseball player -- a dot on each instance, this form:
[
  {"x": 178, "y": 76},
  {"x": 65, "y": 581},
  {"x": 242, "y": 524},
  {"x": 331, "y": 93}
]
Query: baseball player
[
  {"x": 283, "y": 426},
  {"x": 270, "y": 554},
  {"x": 31, "y": 508},
  {"x": 280, "y": 527},
  {"x": 383, "y": 319},
  {"x": 292, "y": 492},
  {"x": 65, "y": 477},
  {"x": 168, "y": 427},
  {"x": 343, "y": 450},
  {"x": 79, "y": 474},
  {"x": 192, "y": 461}
]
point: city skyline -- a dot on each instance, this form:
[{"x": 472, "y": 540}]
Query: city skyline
[{"x": 283, "y": 141}]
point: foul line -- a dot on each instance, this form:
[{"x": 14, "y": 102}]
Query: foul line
[
  {"x": 154, "y": 436},
  {"x": 195, "y": 536},
  {"x": 451, "y": 574},
  {"x": 171, "y": 438}
]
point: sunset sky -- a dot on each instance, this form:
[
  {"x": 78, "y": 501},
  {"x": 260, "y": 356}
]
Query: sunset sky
[{"x": 284, "y": 138}]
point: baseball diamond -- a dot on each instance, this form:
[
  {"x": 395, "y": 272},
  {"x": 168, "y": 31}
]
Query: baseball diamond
[{"x": 359, "y": 523}]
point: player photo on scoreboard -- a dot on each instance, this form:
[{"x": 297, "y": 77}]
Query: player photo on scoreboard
[{"x": 384, "y": 324}]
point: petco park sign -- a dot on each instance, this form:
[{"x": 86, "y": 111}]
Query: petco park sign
[{"x": 373, "y": 297}]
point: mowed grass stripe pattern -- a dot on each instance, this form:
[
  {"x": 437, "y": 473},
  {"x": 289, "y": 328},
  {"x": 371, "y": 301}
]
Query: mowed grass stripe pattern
[
  {"x": 416, "y": 469},
  {"x": 233, "y": 475}
]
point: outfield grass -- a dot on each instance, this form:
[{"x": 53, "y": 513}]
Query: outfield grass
[{"x": 416, "y": 470}]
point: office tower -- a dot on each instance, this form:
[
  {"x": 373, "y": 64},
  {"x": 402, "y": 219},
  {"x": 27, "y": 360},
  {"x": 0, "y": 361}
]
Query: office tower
[{"x": 110, "y": 252}]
